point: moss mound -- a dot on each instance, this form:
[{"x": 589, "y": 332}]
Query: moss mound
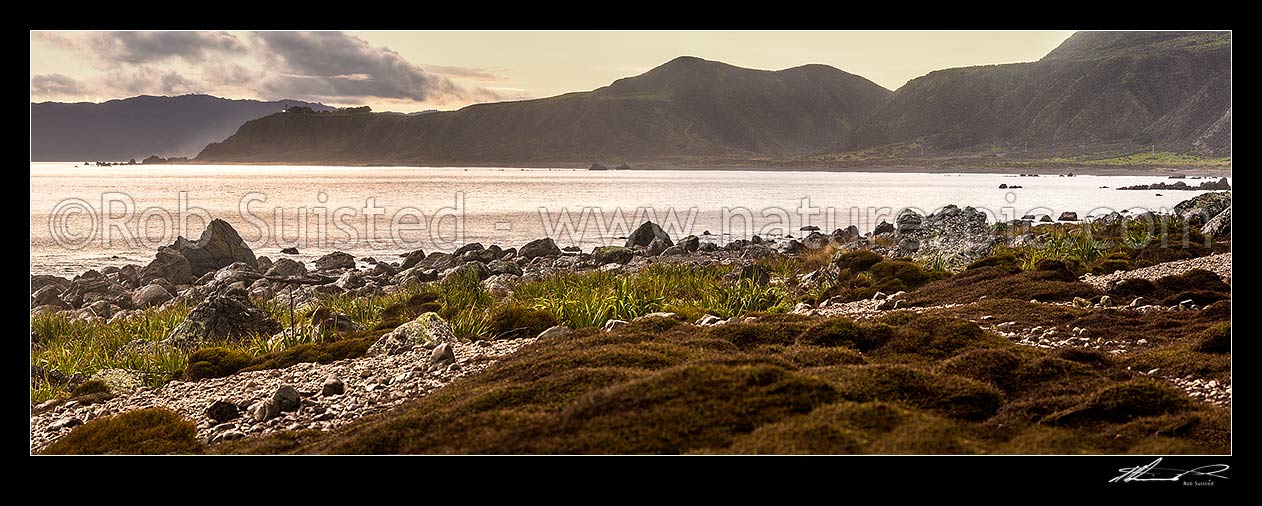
[
  {"x": 1050, "y": 281},
  {"x": 952, "y": 396},
  {"x": 90, "y": 387},
  {"x": 1122, "y": 403},
  {"x": 860, "y": 260},
  {"x": 516, "y": 322},
  {"x": 215, "y": 363},
  {"x": 1216, "y": 339},
  {"x": 150, "y": 431}
]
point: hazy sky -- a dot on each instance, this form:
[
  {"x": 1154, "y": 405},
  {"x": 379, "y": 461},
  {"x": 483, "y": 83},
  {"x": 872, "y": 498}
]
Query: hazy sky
[{"x": 411, "y": 71}]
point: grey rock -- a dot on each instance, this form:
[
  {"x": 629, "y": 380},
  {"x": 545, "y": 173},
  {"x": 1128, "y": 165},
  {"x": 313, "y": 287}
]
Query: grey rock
[
  {"x": 264, "y": 410},
  {"x": 222, "y": 411},
  {"x": 953, "y": 235},
  {"x": 554, "y": 331},
  {"x": 168, "y": 264},
  {"x": 612, "y": 325},
  {"x": 286, "y": 267},
  {"x": 474, "y": 246},
  {"x": 1068, "y": 216},
  {"x": 66, "y": 423},
  {"x": 289, "y": 251},
  {"x": 691, "y": 243},
  {"x": 612, "y": 255},
  {"x": 481, "y": 255},
  {"x": 1219, "y": 225},
  {"x": 1200, "y": 209},
  {"x": 646, "y": 234},
  {"x": 442, "y": 355},
  {"x": 120, "y": 380},
  {"x": 412, "y": 259},
  {"x": 475, "y": 269},
  {"x": 545, "y": 247},
  {"x": 708, "y": 320},
  {"x": 504, "y": 267},
  {"x": 48, "y": 296},
  {"x": 333, "y": 386},
  {"x": 225, "y": 314},
  {"x": 287, "y": 398},
  {"x": 427, "y": 330},
  {"x": 656, "y": 247},
  {"x": 674, "y": 251},
  {"x": 217, "y": 247},
  {"x": 335, "y": 260}
]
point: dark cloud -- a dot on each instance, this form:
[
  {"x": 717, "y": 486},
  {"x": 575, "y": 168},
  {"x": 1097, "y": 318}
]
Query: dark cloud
[
  {"x": 56, "y": 84},
  {"x": 331, "y": 67},
  {"x": 142, "y": 47},
  {"x": 334, "y": 65}
]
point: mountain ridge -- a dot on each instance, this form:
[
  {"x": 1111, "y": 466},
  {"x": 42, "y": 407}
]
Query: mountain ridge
[{"x": 140, "y": 126}]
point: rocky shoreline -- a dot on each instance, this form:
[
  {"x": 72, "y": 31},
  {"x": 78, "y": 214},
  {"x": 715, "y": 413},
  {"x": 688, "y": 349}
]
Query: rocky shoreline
[{"x": 219, "y": 278}]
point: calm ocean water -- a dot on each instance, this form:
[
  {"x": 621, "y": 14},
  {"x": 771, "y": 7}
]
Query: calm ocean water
[{"x": 91, "y": 217}]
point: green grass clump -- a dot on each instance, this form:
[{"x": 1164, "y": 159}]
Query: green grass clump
[{"x": 149, "y": 431}]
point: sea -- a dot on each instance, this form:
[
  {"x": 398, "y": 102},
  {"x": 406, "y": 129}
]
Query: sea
[{"x": 88, "y": 217}]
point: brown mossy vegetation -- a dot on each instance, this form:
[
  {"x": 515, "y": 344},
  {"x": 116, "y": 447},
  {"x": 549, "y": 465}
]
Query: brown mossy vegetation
[
  {"x": 863, "y": 273},
  {"x": 1050, "y": 281},
  {"x": 149, "y": 431},
  {"x": 516, "y": 322},
  {"x": 220, "y": 362},
  {"x": 1201, "y": 286},
  {"x": 906, "y": 383}
]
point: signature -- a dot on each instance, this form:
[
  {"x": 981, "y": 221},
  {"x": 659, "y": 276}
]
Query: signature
[{"x": 1151, "y": 472}]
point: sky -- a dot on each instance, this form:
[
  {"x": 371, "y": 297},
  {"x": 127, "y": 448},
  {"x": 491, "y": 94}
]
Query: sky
[{"x": 409, "y": 71}]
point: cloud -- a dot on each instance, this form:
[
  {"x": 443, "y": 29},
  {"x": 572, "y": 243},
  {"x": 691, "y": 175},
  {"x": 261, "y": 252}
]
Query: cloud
[
  {"x": 463, "y": 73},
  {"x": 338, "y": 66},
  {"x": 56, "y": 85},
  {"x": 144, "y": 47},
  {"x": 331, "y": 67}
]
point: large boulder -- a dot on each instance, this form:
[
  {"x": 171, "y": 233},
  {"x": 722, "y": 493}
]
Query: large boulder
[
  {"x": 612, "y": 255},
  {"x": 1218, "y": 226},
  {"x": 238, "y": 272},
  {"x": 476, "y": 269},
  {"x": 658, "y": 246},
  {"x": 504, "y": 267},
  {"x": 335, "y": 260},
  {"x": 412, "y": 259},
  {"x": 1198, "y": 210},
  {"x": 226, "y": 313},
  {"x": 48, "y": 295},
  {"x": 646, "y": 234},
  {"x": 42, "y": 280},
  {"x": 953, "y": 235},
  {"x": 427, "y": 331},
  {"x": 170, "y": 265},
  {"x": 92, "y": 286},
  {"x": 285, "y": 267},
  {"x": 545, "y": 247},
  {"x": 219, "y": 245},
  {"x": 150, "y": 295}
]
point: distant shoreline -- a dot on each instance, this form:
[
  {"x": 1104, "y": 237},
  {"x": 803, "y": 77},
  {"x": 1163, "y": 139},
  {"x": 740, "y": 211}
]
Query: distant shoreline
[{"x": 900, "y": 168}]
